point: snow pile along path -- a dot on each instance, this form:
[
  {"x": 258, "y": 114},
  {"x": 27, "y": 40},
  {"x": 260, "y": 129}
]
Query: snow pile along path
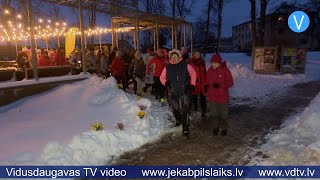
[
  {"x": 298, "y": 143},
  {"x": 53, "y": 128}
]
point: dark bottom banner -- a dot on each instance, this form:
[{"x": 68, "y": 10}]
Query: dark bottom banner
[{"x": 160, "y": 172}]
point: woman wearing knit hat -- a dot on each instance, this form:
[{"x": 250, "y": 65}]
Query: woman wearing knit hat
[
  {"x": 158, "y": 64},
  {"x": 179, "y": 78},
  {"x": 219, "y": 80},
  {"x": 199, "y": 65}
]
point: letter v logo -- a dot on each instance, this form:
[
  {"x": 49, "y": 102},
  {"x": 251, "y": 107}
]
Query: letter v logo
[{"x": 298, "y": 21}]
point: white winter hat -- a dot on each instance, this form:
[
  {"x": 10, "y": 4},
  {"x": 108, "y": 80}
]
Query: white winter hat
[{"x": 175, "y": 51}]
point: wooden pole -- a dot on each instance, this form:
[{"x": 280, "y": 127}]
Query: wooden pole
[
  {"x": 154, "y": 41},
  {"x": 25, "y": 42},
  {"x": 191, "y": 38},
  {"x": 85, "y": 41},
  {"x": 185, "y": 35},
  {"x": 35, "y": 42},
  {"x": 138, "y": 25},
  {"x": 100, "y": 41},
  {"x": 82, "y": 37},
  {"x": 16, "y": 44},
  {"x": 112, "y": 33},
  {"x": 47, "y": 44},
  {"x": 33, "y": 49},
  {"x": 172, "y": 36},
  {"x": 58, "y": 40},
  {"x": 157, "y": 34},
  {"x": 135, "y": 38},
  {"x": 175, "y": 37}
]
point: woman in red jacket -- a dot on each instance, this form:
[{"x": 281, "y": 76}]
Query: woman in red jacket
[
  {"x": 44, "y": 59},
  {"x": 158, "y": 62},
  {"x": 219, "y": 80},
  {"x": 118, "y": 69},
  {"x": 199, "y": 65}
]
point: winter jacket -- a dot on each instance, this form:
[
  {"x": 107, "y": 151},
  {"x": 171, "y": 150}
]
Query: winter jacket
[
  {"x": 199, "y": 65},
  {"x": 180, "y": 76},
  {"x": 159, "y": 65},
  {"x": 59, "y": 59},
  {"x": 118, "y": 68},
  {"x": 44, "y": 61},
  {"x": 92, "y": 62},
  {"x": 137, "y": 68},
  {"x": 218, "y": 82},
  {"x": 147, "y": 58}
]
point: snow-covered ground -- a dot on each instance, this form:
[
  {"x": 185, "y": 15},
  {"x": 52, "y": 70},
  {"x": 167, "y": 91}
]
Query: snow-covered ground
[
  {"x": 248, "y": 84},
  {"x": 9, "y": 84},
  {"x": 53, "y": 128},
  {"x": 297, "y": 143}
]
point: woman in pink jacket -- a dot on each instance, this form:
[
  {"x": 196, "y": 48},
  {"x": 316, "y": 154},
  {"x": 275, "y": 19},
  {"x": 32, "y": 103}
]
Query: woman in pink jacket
[{"x": 179, "y": 78}]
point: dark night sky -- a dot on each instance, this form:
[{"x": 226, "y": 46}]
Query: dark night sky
[{"x": 234, "y": 12}]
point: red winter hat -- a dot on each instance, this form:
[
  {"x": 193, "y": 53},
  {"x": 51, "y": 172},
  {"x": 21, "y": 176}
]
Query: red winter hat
[
  {"x": 149, "y": 50},
  {"x": 216, "y": 58}
]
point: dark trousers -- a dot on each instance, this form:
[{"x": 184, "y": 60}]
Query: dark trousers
[
  {"x": 159, "y": 88},
  {"x": 152, "y": 86},
  {"x": 180, "y": 110},
  {"x": 219, "y": 115},
  {"x": 121, "y": 80},
  {"x": 202, "y": 102}
]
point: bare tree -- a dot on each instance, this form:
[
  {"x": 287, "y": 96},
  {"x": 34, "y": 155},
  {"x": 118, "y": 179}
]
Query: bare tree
[
  {"x": 220, "y": 6},
  {"x": 253, "y": 28},
  {"x": 261, "y": 29},
  {"x": 208, "y": 21}
]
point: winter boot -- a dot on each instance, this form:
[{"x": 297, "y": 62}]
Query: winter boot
[
  {"x": 215, "y": 132},
  {"x": 162, "y": 102},
  {"x": 224, "y": 132},
  {"x": 145, "y": 89},
  {"x": 203, "y": 115},
  {"x": 185, "y": 130}
]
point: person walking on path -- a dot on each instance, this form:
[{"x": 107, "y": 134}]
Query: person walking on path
[
  {"x": 219, "y": 80},
  {"x": 180, "y": 78},
  {"x": 199, "y": 65},
  {"x": 158, "y": 63},
  {"x": 137, "y": 72},
  {"x": 118, "y": 70}
]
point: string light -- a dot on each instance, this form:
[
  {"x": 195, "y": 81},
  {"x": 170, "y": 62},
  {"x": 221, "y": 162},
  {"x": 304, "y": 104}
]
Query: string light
[{"x": 6, "y": 11}]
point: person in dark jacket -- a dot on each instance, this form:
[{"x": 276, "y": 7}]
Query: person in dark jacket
[
  {"x": 179, "y": 78},
  {"x": 118, "y": 70},
  {"x": 219, "y": 80},
  {"x": 137, "y": 72},
  {"x": 199, "y": 65}
]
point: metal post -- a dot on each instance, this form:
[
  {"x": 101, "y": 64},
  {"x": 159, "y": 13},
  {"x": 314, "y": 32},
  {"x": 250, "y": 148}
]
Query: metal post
[
  {"x": 33, "y": 50},
  {"x": 82, "y": 37},
  {"x": 172, "y": 36},
  {"x": 185, "y": 36}
]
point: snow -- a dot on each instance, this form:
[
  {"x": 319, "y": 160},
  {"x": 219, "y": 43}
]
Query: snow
[
  {"x": 248, "y": 84},
  {"x": 298, "y": 142},
  {"x": 53, "y": 128},
  {"x": 42, "y": 80}
]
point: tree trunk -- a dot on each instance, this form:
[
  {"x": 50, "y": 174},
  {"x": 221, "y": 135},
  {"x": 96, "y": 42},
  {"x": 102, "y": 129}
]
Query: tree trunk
[
  {"x": 253, "y": 29},
  {"x": 208, "y": 25},
  {"x": 220, "y": 4},
  {"x": 262, "y": 22}
]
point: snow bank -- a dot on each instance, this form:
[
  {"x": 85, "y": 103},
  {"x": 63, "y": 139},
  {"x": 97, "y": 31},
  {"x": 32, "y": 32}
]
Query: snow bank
[
  {"x": 248, "y": 84},
  {"x": 298, "y": 143},
  {"x": 53, "y": 128}
]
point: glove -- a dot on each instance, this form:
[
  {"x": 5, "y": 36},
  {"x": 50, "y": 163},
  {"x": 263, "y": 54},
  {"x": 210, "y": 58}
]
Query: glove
[
  {"x": 205, "y": 88},
  {"x": 193, "y": 87},
  {"x": 216, "y": 85},
  {"x": 167, "y": 84}
]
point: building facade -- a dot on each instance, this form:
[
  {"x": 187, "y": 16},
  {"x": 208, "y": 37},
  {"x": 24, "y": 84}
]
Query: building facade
[{"x": 278, "y": 33}]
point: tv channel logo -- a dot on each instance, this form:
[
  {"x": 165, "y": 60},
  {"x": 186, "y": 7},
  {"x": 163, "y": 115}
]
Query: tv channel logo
[{"x": 298, "y": 21}]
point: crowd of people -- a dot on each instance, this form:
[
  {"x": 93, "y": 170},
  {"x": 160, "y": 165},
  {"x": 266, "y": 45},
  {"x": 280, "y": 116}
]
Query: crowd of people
[
  {"x": 176, "y": 76},
  {"x": 179, "y": 78}
]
